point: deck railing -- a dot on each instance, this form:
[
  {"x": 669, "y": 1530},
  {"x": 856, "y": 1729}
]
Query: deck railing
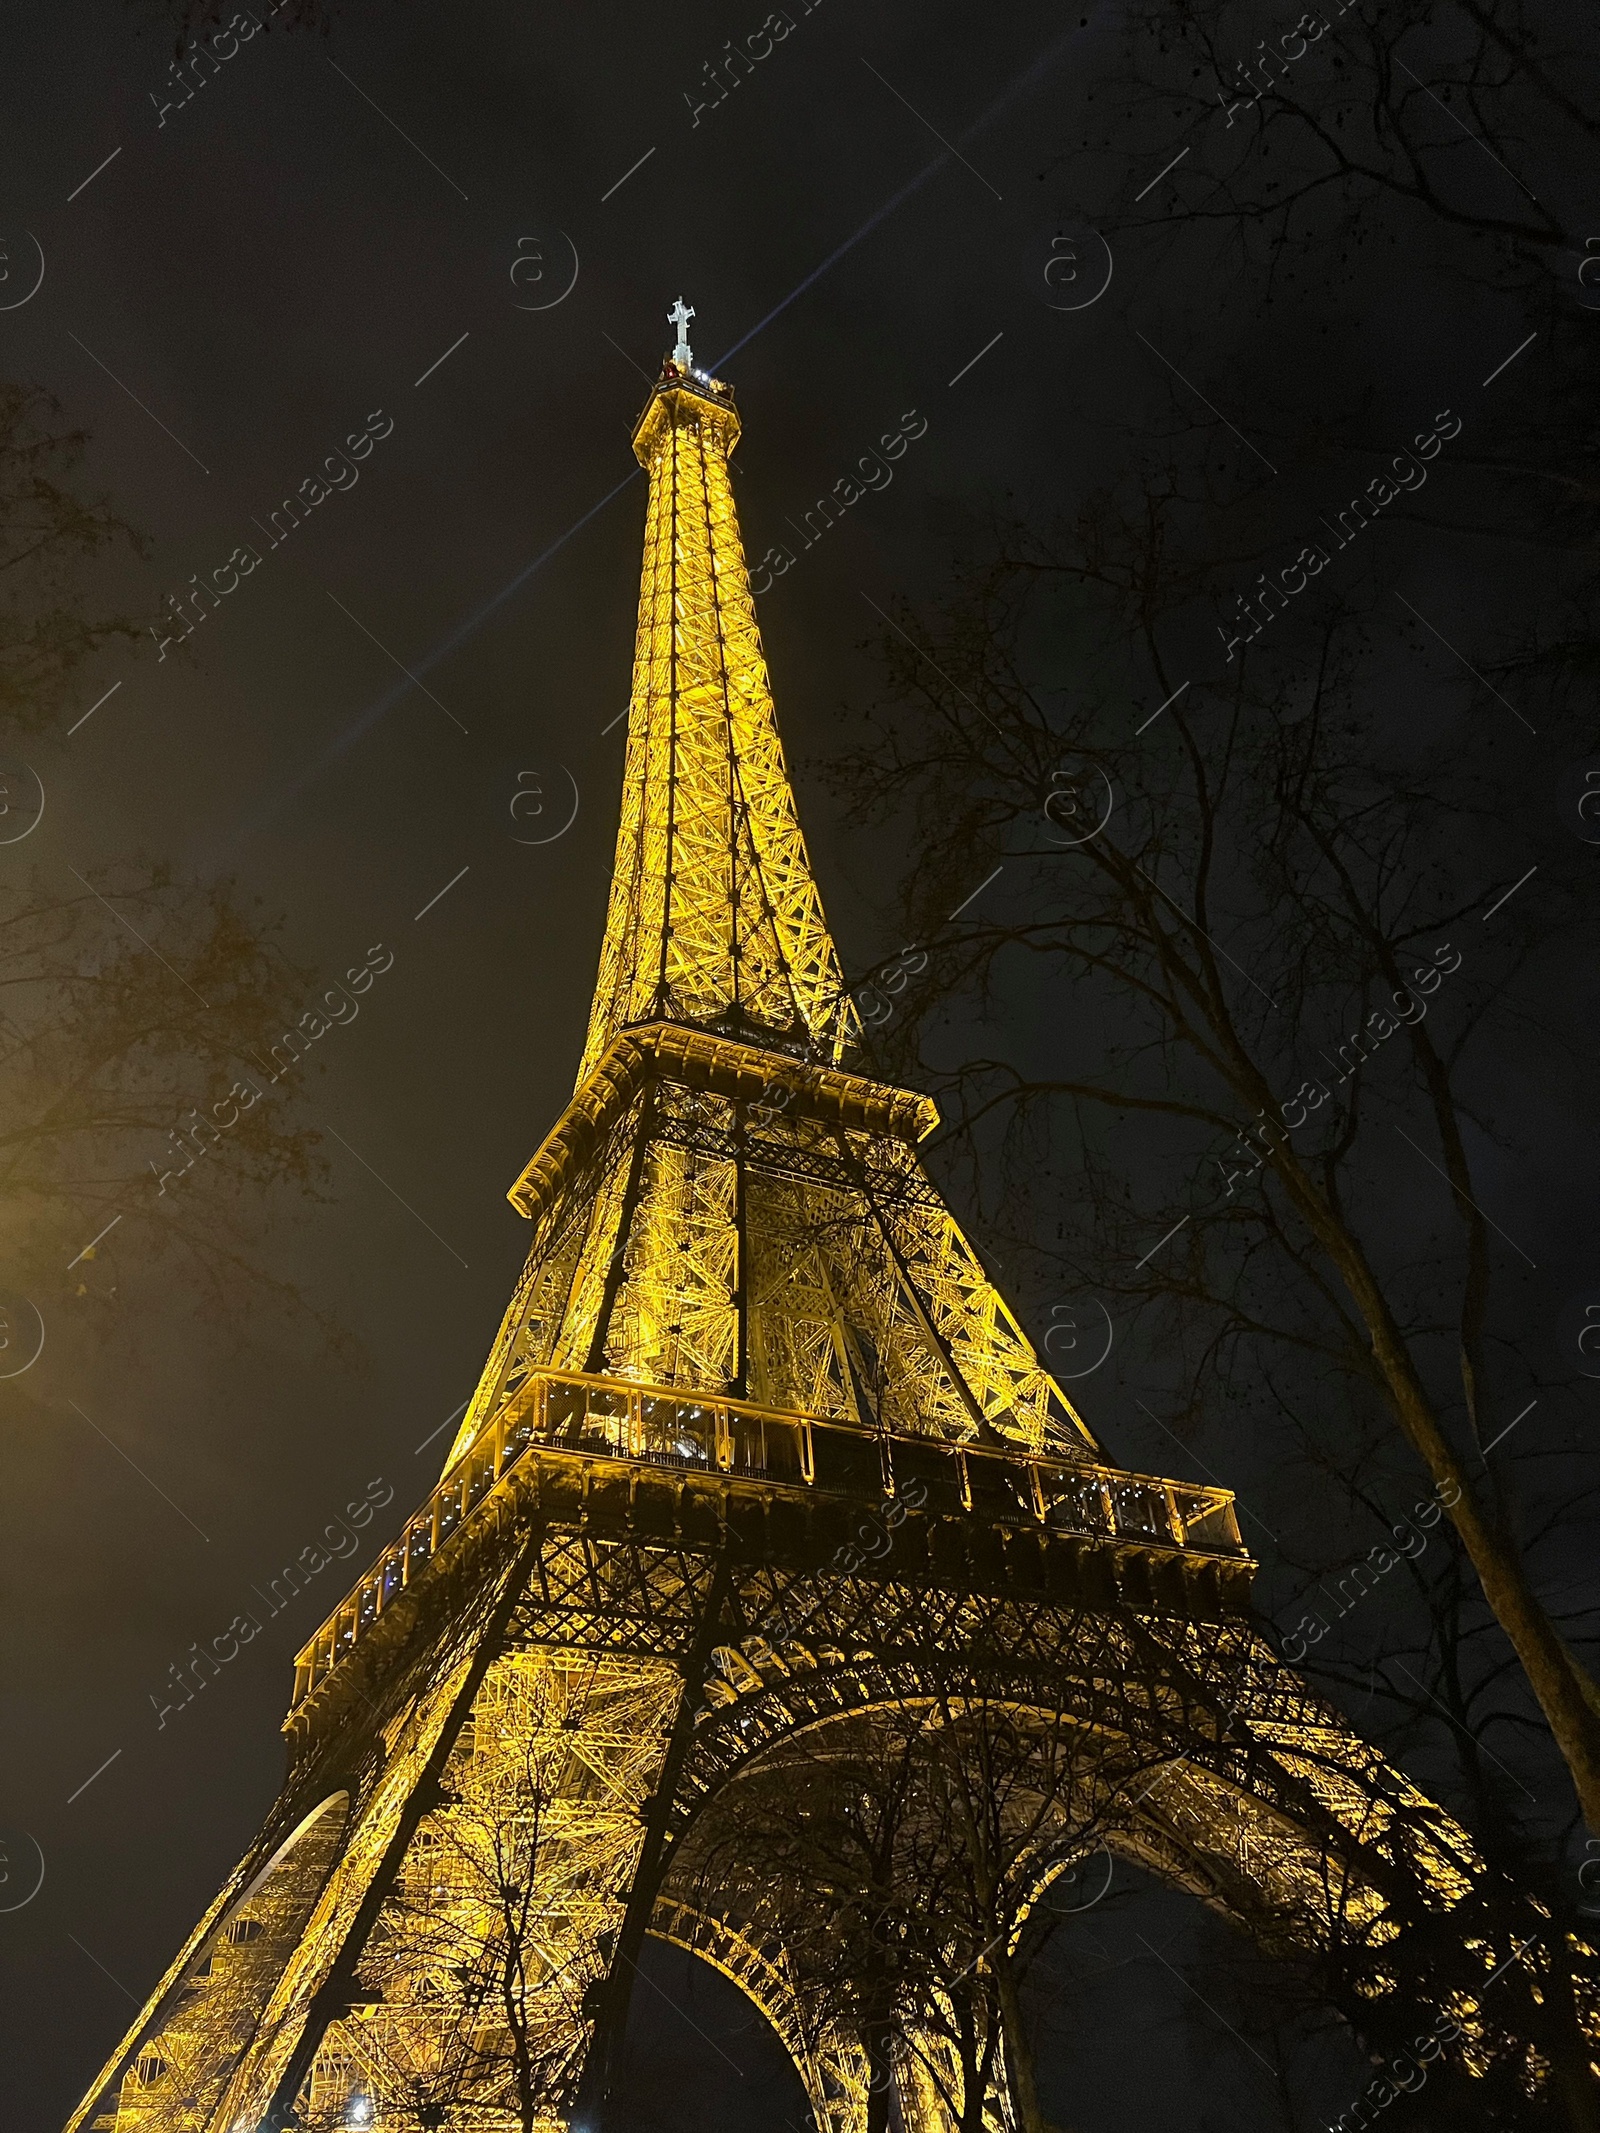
[{"x": 611, "y": 1418}]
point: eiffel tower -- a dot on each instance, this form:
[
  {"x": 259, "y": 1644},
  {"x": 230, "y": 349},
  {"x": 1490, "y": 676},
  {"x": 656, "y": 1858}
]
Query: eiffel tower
[{"x": 760, "y": 1462}]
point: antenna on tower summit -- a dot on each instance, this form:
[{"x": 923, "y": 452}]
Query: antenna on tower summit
[{"x": 679, "y": 316}]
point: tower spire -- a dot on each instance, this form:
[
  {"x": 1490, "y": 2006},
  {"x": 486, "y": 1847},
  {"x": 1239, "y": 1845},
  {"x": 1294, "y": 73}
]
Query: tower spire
[
  {"x": 714, "y": 920},
  {"x": 679, "y": 316}
]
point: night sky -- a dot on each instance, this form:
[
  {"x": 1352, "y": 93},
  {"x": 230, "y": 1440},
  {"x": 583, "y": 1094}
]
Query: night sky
[{"x": 458, "y": 230}]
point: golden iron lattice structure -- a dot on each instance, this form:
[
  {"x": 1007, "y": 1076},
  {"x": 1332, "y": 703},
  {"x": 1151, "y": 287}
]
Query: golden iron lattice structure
[{"x": 762, "y": 1480}]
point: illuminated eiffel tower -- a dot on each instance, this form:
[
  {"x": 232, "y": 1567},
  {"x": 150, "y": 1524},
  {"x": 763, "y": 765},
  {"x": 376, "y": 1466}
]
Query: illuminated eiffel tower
[{"x": 760, "y": 1461}]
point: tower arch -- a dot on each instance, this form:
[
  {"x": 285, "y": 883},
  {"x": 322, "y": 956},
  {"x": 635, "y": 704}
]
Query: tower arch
[{"x": 174, "y": 2065}]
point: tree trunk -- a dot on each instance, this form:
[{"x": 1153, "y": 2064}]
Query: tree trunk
[
  {"x": 880, "y": 2079},
  {"x": 1561, "y": 1685},
  {"x": 1019, "y": 2055},
  {"x": 1566, "y": 1693}
]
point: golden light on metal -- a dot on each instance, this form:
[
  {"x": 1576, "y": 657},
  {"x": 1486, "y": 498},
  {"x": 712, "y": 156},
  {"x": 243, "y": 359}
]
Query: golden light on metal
[{"x": 749, "y": 1332}]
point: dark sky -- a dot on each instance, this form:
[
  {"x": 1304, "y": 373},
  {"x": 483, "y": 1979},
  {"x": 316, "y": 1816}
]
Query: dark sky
[{"x": 326, "y": 235}]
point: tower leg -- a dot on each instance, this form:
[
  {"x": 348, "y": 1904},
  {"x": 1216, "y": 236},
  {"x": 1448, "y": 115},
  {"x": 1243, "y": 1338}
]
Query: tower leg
[{"x": 485, "y": 1969}]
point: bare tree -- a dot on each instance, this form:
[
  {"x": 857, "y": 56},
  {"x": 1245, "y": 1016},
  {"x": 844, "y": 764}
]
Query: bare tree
[
  {"x": 1019, "y": 1792},
  {"x": 476, "y": 1996},
  {"x": 138, "y": 1011},
  {"x": 1319, "y": 156},
  {"x": 819, "y": 1846},
  {"x": 136, "y": 1097},
  {"x": 1264, "y": 914},
  {"x": 1309, "y": 139},
  {"x": 1428, "y": 1670},
  {"x": 50, "y": 530},
  {"x": 898, "y": 1859}
]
